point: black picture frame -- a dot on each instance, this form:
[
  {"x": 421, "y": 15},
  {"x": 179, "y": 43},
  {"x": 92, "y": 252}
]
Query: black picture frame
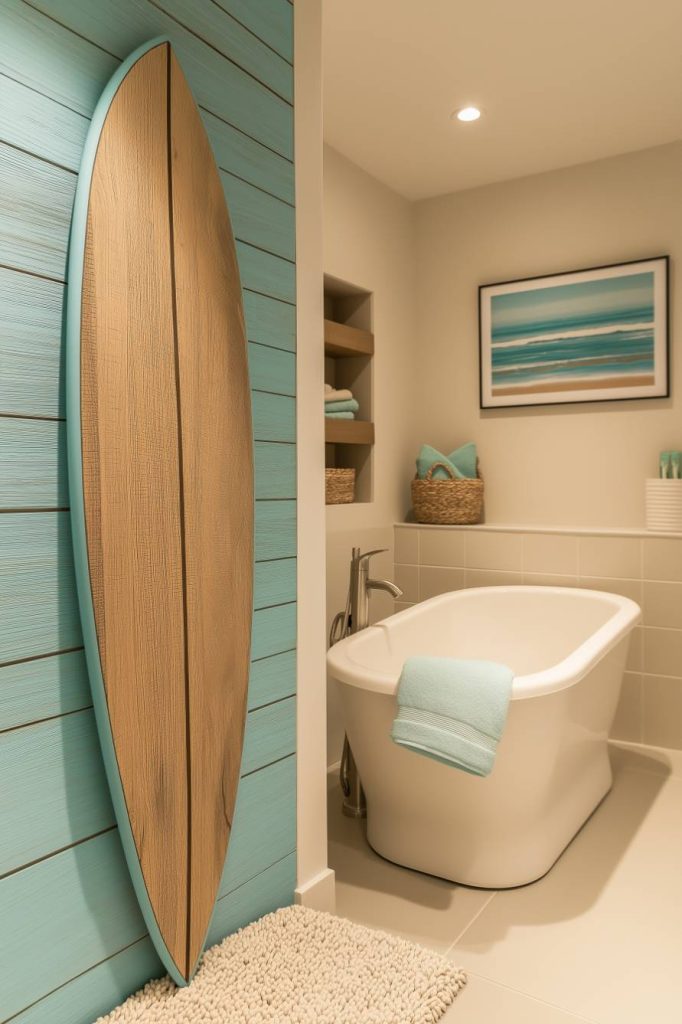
[{"x": 506, "y": 397}]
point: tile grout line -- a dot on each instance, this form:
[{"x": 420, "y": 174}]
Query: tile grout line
[
  {"x": 469, "y": 923},
  {"x": 529, "y": 995},
  {"x": 419, "y": 566}
]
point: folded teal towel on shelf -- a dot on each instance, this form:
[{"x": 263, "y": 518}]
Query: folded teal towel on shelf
[
  {"x": 349, "y": 405},
  {"x": 336, "y": 394},
  {"x": 453, "y": 710},
  {"x": 340, "y": 415},
  {"x": 462, "y": 462}
]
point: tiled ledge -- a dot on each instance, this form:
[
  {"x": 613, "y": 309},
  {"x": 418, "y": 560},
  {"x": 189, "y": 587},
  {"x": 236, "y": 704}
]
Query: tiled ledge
[
  {"x": 592, "y": 531},
  {"x": 641, "y": 565}
]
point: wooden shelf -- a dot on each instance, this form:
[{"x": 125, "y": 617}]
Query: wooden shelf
[
  {"x": 348, "y": 432},
  {"x": 341, "y": 340}
]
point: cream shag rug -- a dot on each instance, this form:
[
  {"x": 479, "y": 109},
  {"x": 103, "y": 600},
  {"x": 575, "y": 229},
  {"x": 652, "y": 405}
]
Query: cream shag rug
[{"x": 300, "y": 966}]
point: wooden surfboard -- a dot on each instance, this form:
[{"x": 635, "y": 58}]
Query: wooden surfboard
[{"x": 161, "y": 480}]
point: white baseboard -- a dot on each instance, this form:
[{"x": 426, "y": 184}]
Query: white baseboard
[{"x": 319, "y": 893}]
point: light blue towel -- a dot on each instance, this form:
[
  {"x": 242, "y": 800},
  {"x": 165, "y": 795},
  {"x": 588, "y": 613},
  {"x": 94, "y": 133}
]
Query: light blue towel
[
  {"x": 340, "y": 415},
  {"x": 347, "y": 405},
  {"x": 453, "y": 710},
  {"x": 461, "y": 462}
]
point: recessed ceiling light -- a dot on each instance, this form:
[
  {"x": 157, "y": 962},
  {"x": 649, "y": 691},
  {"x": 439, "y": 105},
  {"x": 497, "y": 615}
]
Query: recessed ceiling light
[{"x": 468, "y": 114}]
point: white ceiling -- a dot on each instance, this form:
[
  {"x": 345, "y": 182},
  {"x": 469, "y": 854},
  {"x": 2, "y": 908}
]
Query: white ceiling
[{"x": 560, "y": 82}]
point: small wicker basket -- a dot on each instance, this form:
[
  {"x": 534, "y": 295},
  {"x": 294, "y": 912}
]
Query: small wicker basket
[
  {"x": 339, "y": 486},
  {"x": 452, "y": 502}
]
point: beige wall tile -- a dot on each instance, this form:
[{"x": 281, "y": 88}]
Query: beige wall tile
[
  {"x": 491, "y": 578},
  {"x": 407, "y": 578},
  {"x": 662, "y": 604},
  {"x": 627, "y": 725},
  {"x": 407, "y": 545},
  {"x": 434, "y": 580},
  {"x": 628, "y": 588},
  {"x": 400, "y": 606},
  {"x": 661, "y": 558},
  {"x": 610, "y": 556},
  {"x": 550, "y": 553},
  {"x": 635, "y": 655},
  {"x": 543, "y": 579},
  {"x": 656, "y": 760},
  {"x": 441, "y": 547},
  {"x": 662, "y": 653},
  {"x": 662, "y": 711},
  {"x": 500, "y": 551}
]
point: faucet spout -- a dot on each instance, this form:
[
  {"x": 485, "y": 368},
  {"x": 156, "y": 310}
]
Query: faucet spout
[
  {"x": 387, "y": 586},
  {"x": 361, "y": 586}
]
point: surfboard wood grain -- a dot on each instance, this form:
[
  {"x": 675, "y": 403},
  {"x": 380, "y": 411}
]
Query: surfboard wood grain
[
  {"x": 165, "y": 451},
  {"x": 218, "y": 491}
]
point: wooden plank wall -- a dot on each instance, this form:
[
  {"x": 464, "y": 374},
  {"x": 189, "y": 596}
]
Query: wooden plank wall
[{"x": 72, "y": 941}]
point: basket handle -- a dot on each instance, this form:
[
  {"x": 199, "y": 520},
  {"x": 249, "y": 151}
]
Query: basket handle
[{"x": 442, "y": 465}]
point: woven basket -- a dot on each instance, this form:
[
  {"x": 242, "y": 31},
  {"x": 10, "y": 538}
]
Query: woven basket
[
  {"x": 448, "y": 502},
  {"x": 339, "y": 486}
]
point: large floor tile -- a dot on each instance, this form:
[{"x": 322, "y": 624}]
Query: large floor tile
[
  {"x": 374, "y": 892},
  {"x": 484, "y": 1002},
  {"x": 601, "y": 935}
]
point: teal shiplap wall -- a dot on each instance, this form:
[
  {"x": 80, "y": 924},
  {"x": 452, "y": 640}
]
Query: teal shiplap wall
[{"x": 72, "y": 941}]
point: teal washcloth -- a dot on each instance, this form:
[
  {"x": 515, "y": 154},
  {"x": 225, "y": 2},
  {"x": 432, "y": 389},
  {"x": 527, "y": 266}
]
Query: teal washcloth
[
  {"x": 453, "y": 710},
  {"x": 462, "y": 462},
  {"x": 349, "y": 405},
  {"x": 340, "y": 415}
]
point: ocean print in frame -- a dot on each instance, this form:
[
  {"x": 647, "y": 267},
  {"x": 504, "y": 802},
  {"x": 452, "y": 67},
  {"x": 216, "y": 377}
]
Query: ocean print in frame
[{"x": 582, "y": 336}]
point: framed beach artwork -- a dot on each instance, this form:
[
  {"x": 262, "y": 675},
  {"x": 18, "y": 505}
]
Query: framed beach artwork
[{"x": 582, "y": 336}]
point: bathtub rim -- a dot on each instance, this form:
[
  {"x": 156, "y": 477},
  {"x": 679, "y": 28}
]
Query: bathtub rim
[{"x": 565, "y": 673}]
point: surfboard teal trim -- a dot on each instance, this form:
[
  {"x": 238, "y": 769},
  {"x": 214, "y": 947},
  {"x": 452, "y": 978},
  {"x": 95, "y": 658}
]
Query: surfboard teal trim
[{"x": 75, "y": 472}]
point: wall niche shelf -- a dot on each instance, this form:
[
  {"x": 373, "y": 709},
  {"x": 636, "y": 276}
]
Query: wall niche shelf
[
  {"x": 343, "y": 341},
  {"x": 348, "y": 432},
  {"x": 349, "y": 351}
]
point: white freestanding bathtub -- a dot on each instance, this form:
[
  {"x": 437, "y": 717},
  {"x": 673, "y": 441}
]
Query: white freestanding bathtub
[{"x": 567, "y": 649}]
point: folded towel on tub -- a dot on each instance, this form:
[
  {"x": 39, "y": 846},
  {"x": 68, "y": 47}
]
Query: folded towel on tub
[{"x": 453, "y": 710}]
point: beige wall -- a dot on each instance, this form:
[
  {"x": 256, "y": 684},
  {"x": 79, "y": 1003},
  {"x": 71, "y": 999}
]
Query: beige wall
[
  {"x": 432, "y": 560},
  {"x": 315, "y": 882},
  {"x": 580, "y": 466},
  {"x": 369, "y": 242},
  {"x": 577, "y": 465}
]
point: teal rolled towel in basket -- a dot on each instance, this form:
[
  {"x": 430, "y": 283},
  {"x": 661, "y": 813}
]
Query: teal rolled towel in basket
[
  {"x": 340, "y": 415},
  {"x": 462, "y": 462},
  {"x": 453, "y": 710}
]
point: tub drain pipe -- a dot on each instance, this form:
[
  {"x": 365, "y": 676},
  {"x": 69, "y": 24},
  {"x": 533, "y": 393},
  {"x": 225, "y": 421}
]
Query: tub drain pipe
[{"x": 354, "y": 803}]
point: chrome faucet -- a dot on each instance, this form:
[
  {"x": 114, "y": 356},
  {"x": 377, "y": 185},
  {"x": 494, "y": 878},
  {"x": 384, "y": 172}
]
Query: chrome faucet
[
  {"x": 354, "y": 618},
  {"x": 361, "y": 586}
]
